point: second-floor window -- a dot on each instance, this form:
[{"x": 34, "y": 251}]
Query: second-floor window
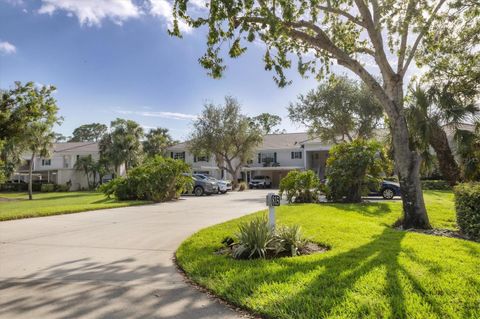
[
  {"x": 178, "y": 155},
  {"x": 296, "y": 155},
  {"x": 201, "y": 158},
  {"x": 267, "y": 158},
  {"x": 46, "y": 162}
]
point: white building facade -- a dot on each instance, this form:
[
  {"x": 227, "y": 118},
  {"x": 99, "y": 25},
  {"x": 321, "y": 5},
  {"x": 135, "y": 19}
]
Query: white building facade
[{"x": 275, "y": 157}]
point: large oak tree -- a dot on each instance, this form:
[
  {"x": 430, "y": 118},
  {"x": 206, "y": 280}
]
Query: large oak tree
[{"x": 346, "y": 32}]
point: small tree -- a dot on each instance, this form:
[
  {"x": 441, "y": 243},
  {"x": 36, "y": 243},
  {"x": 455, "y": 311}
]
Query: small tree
[
  {"x": 352, "y": 168},
  {"x": 227, "y": 134},
  {"x": 301, "y": 187},
  {"x": 339, "y": 110},
  {"x": 89, "y": 132},
  {"x": 156, "y": 142},
  {"x": 266, "y": 122}
]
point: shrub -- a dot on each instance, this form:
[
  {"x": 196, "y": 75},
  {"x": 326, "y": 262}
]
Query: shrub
[
  {"x": 353, "y": 168},
  {"x": 242, "y": 186},
  {"x": 301, "y": 187},
  {"x": 290, "y": 239},
  {"x": 435, "y": 185},
  {"x": 255, "y": 239},
  {"x": 62, "y": 188},
  {"x": 467, "y": 205},
  {"x": 158, "y": 179},
  {"x": 47, "y": 188}
]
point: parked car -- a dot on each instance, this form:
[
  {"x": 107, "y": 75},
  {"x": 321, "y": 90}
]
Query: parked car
[
  {"x": 387, "y": 190},
  {"x": 223, "y": 186},
  {"x": 260, "y": 182},
  {"x": 203, "y": 186}
]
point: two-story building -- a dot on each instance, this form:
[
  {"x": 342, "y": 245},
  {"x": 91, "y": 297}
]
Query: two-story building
[
  {"x": 59, "y": 167},
  {"x": 275, "y": 157}
]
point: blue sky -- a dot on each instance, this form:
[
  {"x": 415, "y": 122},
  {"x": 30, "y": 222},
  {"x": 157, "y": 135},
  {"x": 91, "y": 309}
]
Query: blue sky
[{"x": 111, "y": 58}]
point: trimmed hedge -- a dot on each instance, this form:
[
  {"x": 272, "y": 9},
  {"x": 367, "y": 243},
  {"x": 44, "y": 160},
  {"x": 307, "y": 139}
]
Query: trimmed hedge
[
  {"x": 467, "y": 205},
  {"x": 437, "y": 185}
]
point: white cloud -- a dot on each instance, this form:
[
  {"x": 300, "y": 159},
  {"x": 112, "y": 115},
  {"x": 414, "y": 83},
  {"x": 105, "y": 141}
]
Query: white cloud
[
  {"x": 7, "y": 48},
  {"x": 163, "y": 9},
  {"x": 165, "y": 115},
  {"x": 92, "y": 12}
]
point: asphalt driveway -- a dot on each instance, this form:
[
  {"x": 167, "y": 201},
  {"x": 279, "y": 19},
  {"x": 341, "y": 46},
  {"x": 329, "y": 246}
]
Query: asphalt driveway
[{"x": 114, "y": 263}]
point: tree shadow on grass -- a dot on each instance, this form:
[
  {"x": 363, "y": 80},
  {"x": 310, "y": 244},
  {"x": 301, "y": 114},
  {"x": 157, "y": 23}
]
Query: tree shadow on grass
[
  {"x": 366, "y": 281},
  {"x": 366, "y": 209}
]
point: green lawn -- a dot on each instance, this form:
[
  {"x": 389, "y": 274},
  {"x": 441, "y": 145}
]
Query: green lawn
[
  {"x": 372, "y": 270},
  {"x": 44, "y": 204}
]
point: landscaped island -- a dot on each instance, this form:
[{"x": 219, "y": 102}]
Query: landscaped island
[
  {"x": 17, "y": 205},
  {"x": 372, "y": 269}
]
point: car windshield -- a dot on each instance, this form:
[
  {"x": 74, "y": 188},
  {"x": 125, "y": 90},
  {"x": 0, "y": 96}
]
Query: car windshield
[
  {"x": 259, "y": 177},
  {"x": 200, "y": 176}
]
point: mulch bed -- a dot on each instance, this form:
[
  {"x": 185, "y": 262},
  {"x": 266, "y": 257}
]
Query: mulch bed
[
  {"x": 439, "y": 232},
  {"x": 309, "y": 249}
]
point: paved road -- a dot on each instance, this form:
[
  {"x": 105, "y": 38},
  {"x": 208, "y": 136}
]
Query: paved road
[{"x": 114, "y": 263}]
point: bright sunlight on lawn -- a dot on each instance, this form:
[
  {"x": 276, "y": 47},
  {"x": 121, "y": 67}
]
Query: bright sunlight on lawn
[
  {"x": 372, "y": 270},
  {"x": 17, "y": 205}
]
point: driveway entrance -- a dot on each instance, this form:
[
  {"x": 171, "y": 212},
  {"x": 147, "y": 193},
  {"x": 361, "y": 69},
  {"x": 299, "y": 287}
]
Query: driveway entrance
[{"x": 114, "y": 263}]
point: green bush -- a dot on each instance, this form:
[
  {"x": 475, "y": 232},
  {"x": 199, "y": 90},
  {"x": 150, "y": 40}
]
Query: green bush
[
  {"x": 255, "y": 238},
  {"x": 435, "y": 185},
  {"x": 301, "y": 187},
  {"x": 62, "y": 188},
  {"x": 353, "y": 168},
  {"x": 242, "y": 186},
  {"x": 158, "y": 179},
  {"x": 467, "y": 205},
  {"x": 45, "y": 188},
  {"x": 290, "y": 239}
]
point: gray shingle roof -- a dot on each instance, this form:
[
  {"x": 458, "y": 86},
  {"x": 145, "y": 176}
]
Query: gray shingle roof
[{"x": 73, "y": 147}]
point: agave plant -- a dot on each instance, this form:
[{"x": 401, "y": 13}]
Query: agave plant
[
  {"x": 255, "y": 239},
  {"x": 290, "y": 239}
]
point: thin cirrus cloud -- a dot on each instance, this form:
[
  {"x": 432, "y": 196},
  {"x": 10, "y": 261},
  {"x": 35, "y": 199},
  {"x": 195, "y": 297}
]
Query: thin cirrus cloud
[
  {"x": 93, "y": 12},
  {"x": 7, "y": 48},
  {"x": 164, "y": 115}
]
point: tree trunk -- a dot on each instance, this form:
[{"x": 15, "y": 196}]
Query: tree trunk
[
  {"x": 30, "y": 169},
  {"x": 407, "y": 163},
  {"x": 448, "y": 166}
]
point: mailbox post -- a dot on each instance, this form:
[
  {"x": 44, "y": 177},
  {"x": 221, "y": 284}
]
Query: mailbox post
[{"x": 273, "y": 200}]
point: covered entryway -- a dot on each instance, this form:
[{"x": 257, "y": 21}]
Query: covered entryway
[{"x": 275, "y": 173}]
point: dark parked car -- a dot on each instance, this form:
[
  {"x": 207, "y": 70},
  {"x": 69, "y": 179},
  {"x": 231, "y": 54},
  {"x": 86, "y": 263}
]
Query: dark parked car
[
  {"x": 204, "y": 186},
  {"x": 387, "y": 190}
]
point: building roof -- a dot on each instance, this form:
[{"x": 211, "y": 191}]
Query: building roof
[{"x": 72, "y": 147}]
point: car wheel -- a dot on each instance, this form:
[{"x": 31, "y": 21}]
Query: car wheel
[
  {"x": 388, "y": 193},
  {"x": 198, "y": 191}
]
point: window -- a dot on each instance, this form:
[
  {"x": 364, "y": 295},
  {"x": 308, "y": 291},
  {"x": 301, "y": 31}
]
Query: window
[
  {"x": 267, "y": 157},
  {"x": 46, "y": 162},
  {"x": 201, "y": 158},
  {"x": 296, "y": 155},
  {"x": 178, "y": 155}
]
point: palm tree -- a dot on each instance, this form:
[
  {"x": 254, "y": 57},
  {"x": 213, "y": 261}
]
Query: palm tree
[
  {"x": 427, "y": 113},
  {"x": 86, "y": 164}
]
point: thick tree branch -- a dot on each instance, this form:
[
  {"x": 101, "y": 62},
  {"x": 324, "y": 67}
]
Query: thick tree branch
[
  {"x": 419, "y": 38},
  {"x": 343, "y": 13},
  {"x": 404, "y": 35},
  {"x": 375, "y": 36}
]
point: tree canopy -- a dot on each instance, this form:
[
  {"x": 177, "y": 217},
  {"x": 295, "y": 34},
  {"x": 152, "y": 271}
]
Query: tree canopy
[
  {"x": 227, "y": 134},
  {"x": 266, "y": 122},
  {"x": 157, "y": 141},
  {"x": 123, "y": 144},
  {"x": 89, "y": 132},
  {"x": 338, "y": 110}
]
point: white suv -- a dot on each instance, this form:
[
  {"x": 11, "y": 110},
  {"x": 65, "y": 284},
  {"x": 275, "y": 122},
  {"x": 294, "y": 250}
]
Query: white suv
[{"x": 260, "y": 182}]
